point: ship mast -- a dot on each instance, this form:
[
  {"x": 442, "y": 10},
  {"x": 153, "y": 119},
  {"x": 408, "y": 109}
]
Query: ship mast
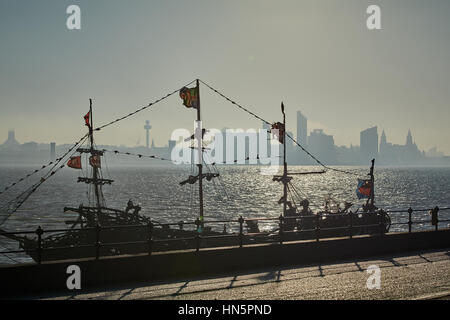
[
  {"x": 371, "y": 200},
  {"x": 285, "y": 177},
  {"x": 93, "y": 153},
  {"x": 95, "y": 162},
  {"x": 200, "y": 153},
  {"x": 198, "y": 136}
]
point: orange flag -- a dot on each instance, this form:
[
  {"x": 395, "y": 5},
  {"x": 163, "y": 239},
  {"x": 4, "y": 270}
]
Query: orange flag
[
  {"x": 74, "y": 162},
  {"x": 86, "y": 119}
]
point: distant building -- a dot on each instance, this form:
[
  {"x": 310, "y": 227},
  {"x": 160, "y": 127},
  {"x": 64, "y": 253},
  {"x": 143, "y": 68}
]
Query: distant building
[
  {"x": 147, "y": 128},
  {"x": 348, "y": 155},
  {"x": 409, "y": 141},
  {"x": 302, "y": 137},
  {"x": 291, "y": 153},
  {"x": 322, "y": 146},
  {"x": 434, "y": 153},
  {"x": 11, "y": 142},
  {"x": 369, "y": 144},
  {"x": 29, "y": 147},
  {"x": 412, "y": 152},
  {"x": 302, "y": 129},
  {"x": 399, "y": 154},
  {"x": 52, "y": 151}
]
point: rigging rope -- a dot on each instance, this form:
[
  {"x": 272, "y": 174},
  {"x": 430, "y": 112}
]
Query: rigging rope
[
  {"x": 235, "y": 103},
  {"x": 12, "y": 206},
  {"x": 26, "y": 176},
  {"x": 157, "y": 157},
  {"x": 143, "y": 108},
  {"x": 137, "y": 155}
]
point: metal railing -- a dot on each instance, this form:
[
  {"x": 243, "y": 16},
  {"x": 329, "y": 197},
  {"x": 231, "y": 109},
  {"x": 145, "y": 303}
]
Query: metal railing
[{"x": 280, "y": 235}]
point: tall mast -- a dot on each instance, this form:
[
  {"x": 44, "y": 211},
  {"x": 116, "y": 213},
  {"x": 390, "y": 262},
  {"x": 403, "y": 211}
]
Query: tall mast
[
  {"x": 198, "y": 135},
  {"x": 93, "y": 153},
  {"x": 372, "y": 188},
  {"x": 285, "y": 180},
  {"x": 200, "y": 153},
  {"x": 95, "y": 162}
]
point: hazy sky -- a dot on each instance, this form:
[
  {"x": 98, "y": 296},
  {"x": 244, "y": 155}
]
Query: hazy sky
[{"x": 317, "y": 56}]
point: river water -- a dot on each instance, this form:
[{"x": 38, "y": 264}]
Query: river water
[{"x": 240, "y": 190}]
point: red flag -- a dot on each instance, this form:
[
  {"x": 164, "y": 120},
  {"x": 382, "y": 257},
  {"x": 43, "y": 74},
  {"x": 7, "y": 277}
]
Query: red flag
[
  {"x": 364, "y": 189},
  {"x": 86, "y": 119},
  {"x": 74, "y": 162},
  {"x": 95, "y": 161},
  {"x": 278, "y": 131}
]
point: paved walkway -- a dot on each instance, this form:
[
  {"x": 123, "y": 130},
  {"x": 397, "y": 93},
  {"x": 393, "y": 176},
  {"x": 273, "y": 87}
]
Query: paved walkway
[{"x": 424, "y": 275}]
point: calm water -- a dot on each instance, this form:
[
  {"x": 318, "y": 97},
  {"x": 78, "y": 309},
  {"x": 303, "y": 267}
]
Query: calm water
[{"x": 241, "y": 190}]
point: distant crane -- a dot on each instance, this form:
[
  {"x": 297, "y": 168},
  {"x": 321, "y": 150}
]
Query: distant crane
[{"x": 147, "y": 128}]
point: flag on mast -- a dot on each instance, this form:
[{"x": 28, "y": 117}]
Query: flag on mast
[
  {"x": 74, "y": 162},
  {"x": 87, "y": 119},
  {"x": 94, "y": 161},
  {"x": 278, "y": 131},
  {"x": 190, "y": 97},
  {"x": 364, "y": 188}
]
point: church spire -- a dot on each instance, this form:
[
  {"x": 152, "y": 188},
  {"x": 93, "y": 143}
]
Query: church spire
[
  {"x": 383, "y": 138},
  {"x": 409, "y": 141}
]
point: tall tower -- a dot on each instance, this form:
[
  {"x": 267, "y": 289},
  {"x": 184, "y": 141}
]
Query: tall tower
[
  {"x": 11, "y": 142},
  {"x": 302, "y": 136},
  {"x": 147, "y": 128},
  {"x": 368, "y": 144},
  {"x": 52, "y": 151},
  {"x": 383, "y": 142},
  {"x": 409, "y": 141},
  {"x": 302, "y": 128}
]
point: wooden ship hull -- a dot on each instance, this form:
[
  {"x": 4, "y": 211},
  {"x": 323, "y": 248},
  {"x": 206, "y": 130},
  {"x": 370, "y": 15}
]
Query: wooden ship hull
[{"x": 134, "y": 238}]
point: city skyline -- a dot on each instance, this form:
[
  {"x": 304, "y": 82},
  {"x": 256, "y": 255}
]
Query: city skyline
[
  {"x": 318, "y": 142},
  {"x": 301, "y": 138}
]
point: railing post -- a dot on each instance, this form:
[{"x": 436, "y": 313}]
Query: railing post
[
  {"x": 381, "y": 224},
  {"x": 410, "y": 211},
  {"x": 197, "y": 235},
  {"x": 39, "y": 233},
  {"x": 281, "y": 218},
  {"x": 241, "y": 231},
  {"x": 437, "y": 218},
  {"x": 149, "y": 239},
  {"x": 97, "y": 241},
  {"x": 351, "y": 224},
  {"x": 318, "y": 216}
]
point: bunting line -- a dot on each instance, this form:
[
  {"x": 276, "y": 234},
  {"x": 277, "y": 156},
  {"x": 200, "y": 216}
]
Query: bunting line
[
  {"x": 25, "y": 177},
  {"x": 12, "y": 206},
  {"x": 165, "y": 159},
  {"x": 143, "y": 108}
]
